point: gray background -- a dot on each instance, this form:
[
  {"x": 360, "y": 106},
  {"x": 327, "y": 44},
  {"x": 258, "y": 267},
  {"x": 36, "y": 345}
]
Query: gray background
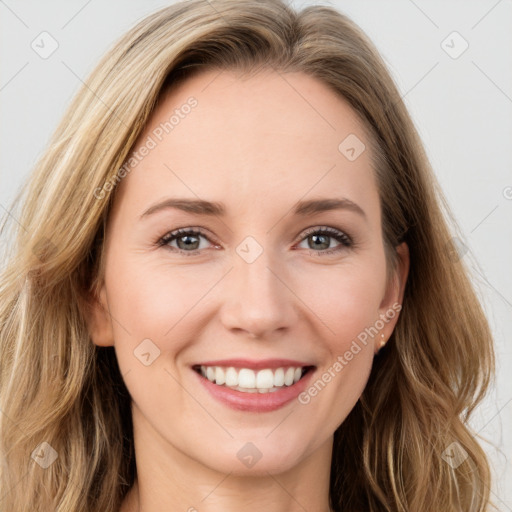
[{"x": 461, "y": 106}]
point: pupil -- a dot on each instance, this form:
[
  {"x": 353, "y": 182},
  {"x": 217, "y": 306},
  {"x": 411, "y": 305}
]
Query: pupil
[
  {"x": 188, "y": 243},
  {"x": 319, "y": 238}
]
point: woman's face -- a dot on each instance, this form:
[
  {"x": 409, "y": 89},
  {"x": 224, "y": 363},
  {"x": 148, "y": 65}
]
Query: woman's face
[{"x": 278, "y": 269}]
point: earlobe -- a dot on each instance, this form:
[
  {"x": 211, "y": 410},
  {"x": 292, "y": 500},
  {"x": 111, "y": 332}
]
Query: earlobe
[{"x": 99, "y": 322}]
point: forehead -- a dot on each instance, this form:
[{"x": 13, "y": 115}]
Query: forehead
[{"x": 223, "y": 136}]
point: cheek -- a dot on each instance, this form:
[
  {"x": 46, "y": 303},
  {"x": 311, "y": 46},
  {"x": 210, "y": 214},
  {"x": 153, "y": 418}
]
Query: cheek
[
  {"x": 156, "y": 310},
  {"x": 346, "y": 299},
  {"x": 156, "y": 301},
  {"x": 163, "y": 302},
  {"x": 348, "y": 312},
  {"x": 348, "y": 306}
]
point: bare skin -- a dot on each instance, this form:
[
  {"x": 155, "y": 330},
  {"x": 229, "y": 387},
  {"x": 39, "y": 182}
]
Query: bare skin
[{"x": 258, "y": 147}]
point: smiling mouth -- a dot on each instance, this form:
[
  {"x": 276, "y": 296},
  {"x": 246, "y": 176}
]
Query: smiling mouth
[{"x": 246, "y": 380}]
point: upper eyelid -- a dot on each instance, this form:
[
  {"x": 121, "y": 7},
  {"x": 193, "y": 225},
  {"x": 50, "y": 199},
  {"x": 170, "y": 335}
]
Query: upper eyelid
[
  {"x": 328, "y": 229},
  {"x": 175, "y": 233}
]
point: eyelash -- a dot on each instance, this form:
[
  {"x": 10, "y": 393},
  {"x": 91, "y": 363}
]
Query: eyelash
[{"x": 345, "y": 241}]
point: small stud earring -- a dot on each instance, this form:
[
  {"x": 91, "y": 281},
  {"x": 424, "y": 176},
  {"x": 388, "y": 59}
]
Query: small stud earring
[{"x": 383, "y": 340}]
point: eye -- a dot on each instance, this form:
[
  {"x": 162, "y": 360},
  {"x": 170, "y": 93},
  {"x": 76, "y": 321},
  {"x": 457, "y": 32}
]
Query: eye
[
  {"x": 319, "y": 239},
  {"x": 188, "y": 240}
]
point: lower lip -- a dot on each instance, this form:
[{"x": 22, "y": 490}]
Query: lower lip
[{"x": 256, "y": 402}]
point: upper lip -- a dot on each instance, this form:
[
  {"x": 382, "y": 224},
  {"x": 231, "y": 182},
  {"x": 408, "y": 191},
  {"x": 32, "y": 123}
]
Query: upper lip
[{"x": 254, "y": 364}]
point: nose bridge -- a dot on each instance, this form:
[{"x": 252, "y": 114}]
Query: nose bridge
[
  {"x": 256, "y": 280},
  {"x": 259, "y": 302}
]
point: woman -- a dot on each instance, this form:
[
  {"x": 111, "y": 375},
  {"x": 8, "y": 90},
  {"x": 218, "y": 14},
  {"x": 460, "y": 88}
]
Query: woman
[{"x": 233, "y": 286}]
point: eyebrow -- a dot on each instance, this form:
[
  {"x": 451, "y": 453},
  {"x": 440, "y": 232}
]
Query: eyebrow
[{"x": 302, "y": 208}]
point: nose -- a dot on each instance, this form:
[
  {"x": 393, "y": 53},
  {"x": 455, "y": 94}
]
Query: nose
[{"x": 258, "y": 300}]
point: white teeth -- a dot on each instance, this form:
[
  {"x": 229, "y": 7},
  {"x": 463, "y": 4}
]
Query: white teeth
[
  {"x": 251, "y": 381},
  {"x": 265, "y": 379},
  {"x": 246, "y": 378},
  {"x": 231, "y": 377},
  {"x": 279, "y": 377},
  {"x": 210, "y": 373},
  {"x": 220, "y": 375},
  {"x": 289, "y": 376}
]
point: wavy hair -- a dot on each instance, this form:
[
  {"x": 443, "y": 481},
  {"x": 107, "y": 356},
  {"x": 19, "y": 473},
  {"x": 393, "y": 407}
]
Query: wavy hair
[{"x": 62, "y": 395}]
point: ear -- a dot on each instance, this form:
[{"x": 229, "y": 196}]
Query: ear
[
  {"x": 391, "y": 304},
  {"x": 99, "y": 321}
]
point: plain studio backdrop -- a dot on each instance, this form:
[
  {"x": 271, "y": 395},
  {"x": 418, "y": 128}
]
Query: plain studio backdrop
[{"x": 451, "y": 61}]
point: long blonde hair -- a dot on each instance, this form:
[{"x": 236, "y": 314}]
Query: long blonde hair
[{"x": 63, "y": 396}]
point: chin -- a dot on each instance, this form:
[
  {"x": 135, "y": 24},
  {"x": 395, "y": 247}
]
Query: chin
[{"x": 258, "y": 457}]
